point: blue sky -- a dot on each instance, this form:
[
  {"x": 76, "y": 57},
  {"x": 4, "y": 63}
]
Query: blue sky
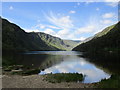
[{"x": 67, "y": 20}]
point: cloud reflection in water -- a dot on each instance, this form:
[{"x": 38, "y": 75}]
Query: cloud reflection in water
[{"x": 73, "y": 63}]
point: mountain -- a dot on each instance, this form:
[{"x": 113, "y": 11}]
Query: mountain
[
  {"x": 15, "y": 38},
  {"x": 57, "y": 42},
  {"x": 71, "y": 43},
  {"x": 107, "y": 40},
  {"x": 53, "y": 41}
]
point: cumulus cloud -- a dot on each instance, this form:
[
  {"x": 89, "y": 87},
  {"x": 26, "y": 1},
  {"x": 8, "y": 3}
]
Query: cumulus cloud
[{"x": 108, "y": 15}]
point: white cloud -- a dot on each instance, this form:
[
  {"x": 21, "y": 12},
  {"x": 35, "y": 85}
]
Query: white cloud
[
  {"x": 62, "y": 1},
  {"x": 66, "y": 34},
  {"x": 31, "y": 30},
  {"x": 49, "y": 31},
  {"x": 97, "y": 9},
  {"x": 86, "y": 29},
  {"x": 39, "y": 26},
  {"x": 11, "y": 8},
  {"x": 62, "y": 26},
  {"x": 78, "y": 3},
  {"x": 108, "y": 15},
  {"x": 53, "y": 27},
  {"x": 106, "y": 21},
  {"x": 111, "y": 0},
  {"x": 72, "y": 12},
  {"x": 82, "y": 38},
  {"x": 43, "y": 26},
  {"x": 63, "y": 33},
  {"x": 112, "y": 4},
  {"x": 63, "y": 22}
]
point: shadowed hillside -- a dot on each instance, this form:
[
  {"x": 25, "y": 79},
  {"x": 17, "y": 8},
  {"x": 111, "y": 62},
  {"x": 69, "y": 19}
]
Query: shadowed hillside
[
  {"x": 107, "y": 40},
  {"x": 15, "y": 38}
]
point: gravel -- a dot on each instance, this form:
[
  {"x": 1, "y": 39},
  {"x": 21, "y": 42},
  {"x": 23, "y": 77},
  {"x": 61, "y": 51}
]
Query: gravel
[{"x": 37, "y": 81}]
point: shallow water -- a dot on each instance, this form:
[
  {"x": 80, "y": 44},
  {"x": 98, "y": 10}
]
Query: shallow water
[{"x": 69, "y": 62}]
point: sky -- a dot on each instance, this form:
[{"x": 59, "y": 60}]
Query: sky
[{"x": 67, "y": 20}]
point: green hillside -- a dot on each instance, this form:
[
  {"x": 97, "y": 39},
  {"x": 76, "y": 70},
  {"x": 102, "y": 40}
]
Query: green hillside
[
  {"x": 71, "y": 44},
  {"x": 107, "y": 40},
  {"x": 57, "y": 42},
  {"x": 105, "y": 31},
  {"x": 15, "y": 38}
]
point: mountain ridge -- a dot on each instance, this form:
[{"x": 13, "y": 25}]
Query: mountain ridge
[
  {"x": 105, "y": 40},
  {"x": 15, "y": 38}
]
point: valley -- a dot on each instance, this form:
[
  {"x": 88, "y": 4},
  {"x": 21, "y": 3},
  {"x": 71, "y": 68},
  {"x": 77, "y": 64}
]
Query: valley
[{"x": 37, "y": 53}]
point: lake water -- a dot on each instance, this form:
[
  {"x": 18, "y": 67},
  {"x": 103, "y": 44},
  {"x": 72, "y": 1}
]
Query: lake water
[{"x": 68, "y": 62}]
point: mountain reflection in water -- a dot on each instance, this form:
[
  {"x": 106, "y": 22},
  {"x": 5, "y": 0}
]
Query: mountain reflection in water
[{"x": 70, "y": 62}]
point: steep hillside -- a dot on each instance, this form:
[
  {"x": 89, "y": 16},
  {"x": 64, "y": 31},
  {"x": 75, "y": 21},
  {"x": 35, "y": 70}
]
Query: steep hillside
[
  {"x": 107, "y": 40},
  {"x": 105, "y": 31},
  {"x": 71, "y": 43},
  {"x": 14, "y": 38},
  {"x": 57, "y": 42}
]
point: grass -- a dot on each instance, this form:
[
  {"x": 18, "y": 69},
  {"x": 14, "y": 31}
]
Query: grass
[
  {"x": 31, "y": 72},
  {"x": 112, "y": 82},
  {"x": 64, "y": 77},
  {"x": 24, "y": 70}
]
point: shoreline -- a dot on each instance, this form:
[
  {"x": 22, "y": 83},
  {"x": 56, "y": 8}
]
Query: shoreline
[{"x": 38, "y": 81}]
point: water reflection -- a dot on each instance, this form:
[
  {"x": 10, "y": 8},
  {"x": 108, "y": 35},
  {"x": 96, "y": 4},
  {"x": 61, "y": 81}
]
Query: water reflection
[
  {"x": 69, "y": 62},
  {"x": 55, "y": 52}
]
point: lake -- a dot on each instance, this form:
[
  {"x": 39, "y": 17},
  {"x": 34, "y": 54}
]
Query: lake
[{"x": 65, "y": 62}]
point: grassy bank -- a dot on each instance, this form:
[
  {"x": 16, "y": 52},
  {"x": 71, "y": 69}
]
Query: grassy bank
[
  {"x": 20, "y": 70},
  {"x": 112, "y": 82},
  {"x": 64, "y": 77}
]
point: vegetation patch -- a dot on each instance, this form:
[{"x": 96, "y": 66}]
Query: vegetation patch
[
  {"x": 112, "y": 82},
  {"x": 31, "y": 72},
  {"x": 64, "y": 77},
  {"x": 20, "y": 70}
]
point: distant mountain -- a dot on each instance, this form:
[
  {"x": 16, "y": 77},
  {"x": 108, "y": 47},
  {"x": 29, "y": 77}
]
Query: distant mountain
[
  {"x": 51, "y": 40},
  {"x": 71, "y": 43},
  {"x": 57, "y": 42},
  {"x": 15, "y": 38},
  {"x": 107, "y": 40}
]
